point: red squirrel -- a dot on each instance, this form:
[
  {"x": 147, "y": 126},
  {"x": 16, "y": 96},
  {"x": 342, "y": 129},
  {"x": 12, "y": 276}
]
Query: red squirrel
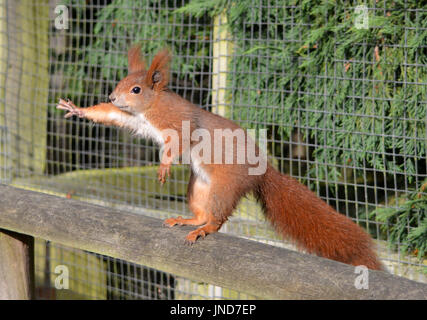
[{"x": 142, "y": 103}]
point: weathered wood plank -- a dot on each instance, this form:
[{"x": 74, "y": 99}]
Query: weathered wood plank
[
  {"x": 247, "y": 266},
  {"x": 16, "y": 266}
]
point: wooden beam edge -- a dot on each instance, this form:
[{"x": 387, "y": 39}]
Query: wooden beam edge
[{"x": 247, "y": 266}]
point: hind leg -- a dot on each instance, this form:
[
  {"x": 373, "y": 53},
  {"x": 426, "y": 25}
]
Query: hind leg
[
  {"x": 198, "y": 220},
  {"x": 211, "y": 226},
  {"x": 197, "y": 194},
  {"x": 214, "y": 202}
]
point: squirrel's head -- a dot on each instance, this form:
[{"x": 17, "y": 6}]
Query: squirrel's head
[{"x": 136, "y": 92}]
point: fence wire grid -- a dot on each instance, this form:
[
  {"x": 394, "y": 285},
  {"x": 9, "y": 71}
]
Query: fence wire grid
[{"x": 341, "y": 89}]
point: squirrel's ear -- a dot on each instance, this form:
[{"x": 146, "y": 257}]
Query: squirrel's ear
[
  {"x": 135, "y": 61},
  {"x": 158, "y": 73}
]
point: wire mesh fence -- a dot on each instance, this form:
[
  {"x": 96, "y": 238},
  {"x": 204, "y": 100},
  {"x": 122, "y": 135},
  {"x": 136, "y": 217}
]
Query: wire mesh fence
[{"x": 340, "y": 88}]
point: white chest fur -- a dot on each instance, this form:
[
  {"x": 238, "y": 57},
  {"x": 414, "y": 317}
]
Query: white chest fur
[
  {"x": 198, "y": 170},
  {"x": 147, "y": 130},
  {"x": 140, "y": 126}
]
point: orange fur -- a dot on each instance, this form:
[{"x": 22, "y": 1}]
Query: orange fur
[
  {"x": 135, "y": 61},
  {"x": 215, "y": 189},
  {"x": 160, "y": 64},
  {"x": 299, "y": 214}
]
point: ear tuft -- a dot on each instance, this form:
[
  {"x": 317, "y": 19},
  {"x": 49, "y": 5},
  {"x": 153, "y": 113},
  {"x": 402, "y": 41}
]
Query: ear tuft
[
  {"x": 157, "y": 76},
  {"x": 158, "y": 73},
  {"x": 135, "y": 61}
]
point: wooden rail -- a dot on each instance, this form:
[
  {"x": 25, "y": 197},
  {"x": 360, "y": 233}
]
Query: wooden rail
[{"x": 220, "y": 259}]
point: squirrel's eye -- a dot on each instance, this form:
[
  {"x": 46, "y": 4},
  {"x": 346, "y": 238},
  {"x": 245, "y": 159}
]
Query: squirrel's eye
[{"x": 136, "y": 90}]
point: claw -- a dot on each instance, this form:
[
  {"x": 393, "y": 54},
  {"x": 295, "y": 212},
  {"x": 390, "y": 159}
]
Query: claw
[
  {"x": 172, "y": 222},
  {"x": 188, "y": 242},
  {"x": 163, "y": 171},
  {"x": 69, "y": 106},
  {"x": 191, "y": 238}
]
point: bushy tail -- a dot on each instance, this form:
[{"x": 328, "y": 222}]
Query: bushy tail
[{"x": 297, "y": 213}]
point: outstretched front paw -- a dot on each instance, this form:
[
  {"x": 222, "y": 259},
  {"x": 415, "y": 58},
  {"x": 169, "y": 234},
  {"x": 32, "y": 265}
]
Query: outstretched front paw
[{"x": 69, "y": 106}]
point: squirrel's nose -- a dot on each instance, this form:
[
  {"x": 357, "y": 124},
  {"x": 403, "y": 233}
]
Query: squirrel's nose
[{"x": 112, "y": 97}]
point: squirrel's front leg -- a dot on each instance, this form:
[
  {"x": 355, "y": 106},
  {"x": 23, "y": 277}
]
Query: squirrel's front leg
[
  {"x": 105, "y": 113},
  {"x": 166, "y": 162},
  {"x": 164, "y": 170},
  {"x": 172, "y": 149}
]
